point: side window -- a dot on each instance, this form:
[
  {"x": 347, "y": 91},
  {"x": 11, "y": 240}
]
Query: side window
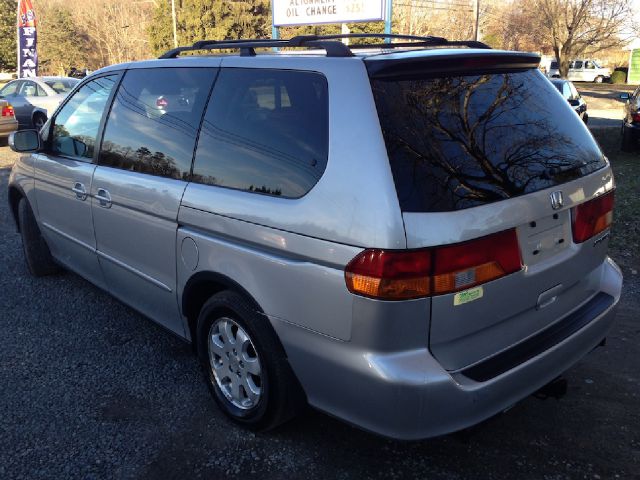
[
  {"x": 577, "y": 64},
  {"x": 28, "y": 89},
  {"x": 40, "y": 91},
  {"x": 589, "y": 65},
  {"x": 10, "y": 88},
  {"x": 153, "y": 124},
  {"x": 264, "y": 131},
  {"x": 75, "y": 128},
  {"x": 566, "y": 91}
]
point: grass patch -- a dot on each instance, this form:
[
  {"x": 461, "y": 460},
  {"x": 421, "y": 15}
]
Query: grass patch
[{"x": 625, "y": 235}]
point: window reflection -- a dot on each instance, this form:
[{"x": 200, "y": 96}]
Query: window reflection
[
  {"x": 265, "y": 131},
  {"x": 153, "y": 124},
  {"x": 458, "y": 142},
  {"x": 76, "y": 125}
]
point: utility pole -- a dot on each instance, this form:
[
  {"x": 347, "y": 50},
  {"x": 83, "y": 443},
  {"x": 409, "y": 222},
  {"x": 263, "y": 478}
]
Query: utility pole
[
  {"x": 173, "y": 19},
  {"x": 476, "y": 17}
]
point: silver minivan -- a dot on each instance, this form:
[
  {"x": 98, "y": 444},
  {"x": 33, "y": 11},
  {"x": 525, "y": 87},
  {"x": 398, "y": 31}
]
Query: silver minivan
[{"x": 410, "y": 237}]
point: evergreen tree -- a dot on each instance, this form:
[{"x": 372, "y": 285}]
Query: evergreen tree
[
  {"x": 8, "y": 34},
  {"x": 209, "y": 20}
]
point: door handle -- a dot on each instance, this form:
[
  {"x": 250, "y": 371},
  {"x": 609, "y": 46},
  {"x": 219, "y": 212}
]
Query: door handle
[
  {"x": 80, "y": 191},
  {"x": 104, "y": 197}
]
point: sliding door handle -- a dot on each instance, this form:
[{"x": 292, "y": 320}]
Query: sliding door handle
[{"x": 104, "y": 198}]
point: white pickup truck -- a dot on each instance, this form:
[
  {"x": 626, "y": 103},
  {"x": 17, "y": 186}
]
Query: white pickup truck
[{"x": 581, "y": 71}]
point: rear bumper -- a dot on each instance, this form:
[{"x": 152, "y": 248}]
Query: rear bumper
[
  {"x": 7, "y": 128},
  {"x": 409, "y": 395},
  {"x": 634, "y": 128}
]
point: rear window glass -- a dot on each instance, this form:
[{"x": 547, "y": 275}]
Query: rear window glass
[
  {"x": 264, "y": 131},
  {"x": 62, "y": 86},
  {"x": 462, "y": 141}
]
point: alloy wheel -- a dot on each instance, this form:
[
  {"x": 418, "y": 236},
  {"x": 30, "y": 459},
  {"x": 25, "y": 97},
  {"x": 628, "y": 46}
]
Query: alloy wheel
[{"x": 234, "y": 363}]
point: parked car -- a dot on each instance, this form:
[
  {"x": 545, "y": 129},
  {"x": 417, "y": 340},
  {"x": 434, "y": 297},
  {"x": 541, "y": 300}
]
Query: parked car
[
  {"x": 631, "y": 121},
  {"x": 412, "y": 251},
  {"x": 8, "y": 122},
  {"x": 34, "y": 99},
  {"x": 569, "y": 92},
  {"x": 582, "y": 71}
]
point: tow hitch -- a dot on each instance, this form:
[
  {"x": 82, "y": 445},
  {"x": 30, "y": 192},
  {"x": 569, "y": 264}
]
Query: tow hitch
[{"x": 556, "y": 388}]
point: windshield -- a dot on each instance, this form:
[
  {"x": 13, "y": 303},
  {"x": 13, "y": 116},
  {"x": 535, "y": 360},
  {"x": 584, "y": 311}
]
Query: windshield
[
  {"x": 62, "y": 86},
  {"x": 461, "y": 141}
]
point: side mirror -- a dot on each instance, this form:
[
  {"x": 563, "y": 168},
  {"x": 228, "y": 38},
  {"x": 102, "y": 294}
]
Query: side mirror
[
  {"x": 574, "y": 102},
  {"x": 25, "y": 141},
  {"x": 624, "y": 96}
]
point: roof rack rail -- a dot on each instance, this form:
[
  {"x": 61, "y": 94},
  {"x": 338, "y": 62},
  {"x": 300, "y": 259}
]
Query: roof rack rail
[{"x": 325, "y": 42}]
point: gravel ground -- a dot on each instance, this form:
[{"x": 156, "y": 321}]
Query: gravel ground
[{"x": 90, "y": 389}]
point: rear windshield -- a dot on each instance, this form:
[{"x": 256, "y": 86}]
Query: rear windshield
[
  {"x": 462, "y": 141},
  {"x": 62, "y": 86}
]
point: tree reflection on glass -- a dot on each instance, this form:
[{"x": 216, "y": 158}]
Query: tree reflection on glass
[{"x": 461, "y": 141}]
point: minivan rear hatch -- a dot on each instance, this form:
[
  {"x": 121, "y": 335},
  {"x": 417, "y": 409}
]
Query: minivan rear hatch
[{"x": 487, "y": 156}]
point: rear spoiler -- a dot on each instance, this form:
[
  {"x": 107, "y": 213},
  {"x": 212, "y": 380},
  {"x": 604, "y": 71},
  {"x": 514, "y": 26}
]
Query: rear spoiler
[{"x": 417, "y": 65}]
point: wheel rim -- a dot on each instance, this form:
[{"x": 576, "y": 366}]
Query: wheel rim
[{"x": 234, "y": 363}]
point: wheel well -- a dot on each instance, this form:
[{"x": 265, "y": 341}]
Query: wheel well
[
  {"x": 202, "y": 286},
  {"x": 14, "y": 199},
  {"x": 38, "y": 112}
]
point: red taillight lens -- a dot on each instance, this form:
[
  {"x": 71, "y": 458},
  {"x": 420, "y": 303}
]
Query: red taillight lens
[
  {"x": 635, "y": 118},
  {"x": 7, "y": 111},
  {"x": 162, "y": 102},
  {"x": 390, "y": 275},
  {"x": 465, "y": 265},
  {"x": 401, "y": 275},
  {"x": 592, "y": 217}
]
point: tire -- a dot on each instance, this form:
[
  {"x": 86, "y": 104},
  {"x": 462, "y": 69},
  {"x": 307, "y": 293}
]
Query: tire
[
  {"x": 36, "y": 252},
  {"x": 39, "y": 119},
  {"x": 585, "y": 118},
  {"x": 598, "y": 79},
  {"x": 267, "y": 393},
  {"x": 628, "y": 142}
]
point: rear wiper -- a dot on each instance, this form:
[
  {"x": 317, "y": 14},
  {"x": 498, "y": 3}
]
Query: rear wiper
[{"x": 551, "y": 172}]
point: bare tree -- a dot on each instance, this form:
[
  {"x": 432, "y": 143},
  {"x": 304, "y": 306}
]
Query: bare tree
[
  {"x": 576, "y": 26},
  {"x": 93, "y": 34}
]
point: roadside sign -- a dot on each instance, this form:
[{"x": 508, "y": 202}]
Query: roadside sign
[
  {"x": 634, "y": 67},
  {"x": 311, "y": 12}
]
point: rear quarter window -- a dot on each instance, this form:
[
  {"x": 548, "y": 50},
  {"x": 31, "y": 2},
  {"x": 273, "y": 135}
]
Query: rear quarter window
[
  {"x": 461, "y": 141},
  {"x": 265, "y": 131}
]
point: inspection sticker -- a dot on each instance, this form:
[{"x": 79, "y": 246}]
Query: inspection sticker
[{"x": 467, "y": 296}]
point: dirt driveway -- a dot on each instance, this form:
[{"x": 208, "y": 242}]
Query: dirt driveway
[{"x": 605, "y": 107}]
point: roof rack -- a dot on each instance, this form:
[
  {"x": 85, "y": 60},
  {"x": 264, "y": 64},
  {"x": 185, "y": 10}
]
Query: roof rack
[{"x": 325, "y": 42}]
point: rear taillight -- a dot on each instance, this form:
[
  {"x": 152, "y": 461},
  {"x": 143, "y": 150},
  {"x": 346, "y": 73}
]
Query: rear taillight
[
  {"x": 7, "y": 111},
  {"x": 401, "y": 275},
  {"x": 635, "y": 117},
  {"x": 592, "y": 217},
  {"x": 389, "y": 274},
  {"x": 465, "y": 265}
]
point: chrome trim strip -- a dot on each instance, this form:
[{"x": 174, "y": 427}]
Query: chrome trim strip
[
  {"x": 129, "y": 268},
  {"x": 69, "y": 237}
]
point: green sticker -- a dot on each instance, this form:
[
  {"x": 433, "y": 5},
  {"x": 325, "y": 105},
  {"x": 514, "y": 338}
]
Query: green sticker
[{"x": 468, "y": 296}]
